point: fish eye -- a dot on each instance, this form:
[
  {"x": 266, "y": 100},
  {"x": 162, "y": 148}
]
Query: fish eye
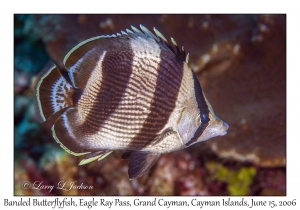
[{"x": 204, "y": 118}]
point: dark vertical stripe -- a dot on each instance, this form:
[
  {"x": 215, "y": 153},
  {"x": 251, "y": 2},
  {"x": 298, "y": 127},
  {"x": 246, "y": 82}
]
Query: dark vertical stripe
[
  {"x": 74, "y": 145},
  {"x": 83, "y": 70},
  {"x": 166, "y": 89},
  {"x": 116, "y": 69},
  {"x": 203, "y": 108},
  {"x": 197, "y": 134}
]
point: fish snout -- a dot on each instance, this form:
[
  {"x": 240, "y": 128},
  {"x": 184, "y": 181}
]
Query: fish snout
[{"x": 223, "y": 128}]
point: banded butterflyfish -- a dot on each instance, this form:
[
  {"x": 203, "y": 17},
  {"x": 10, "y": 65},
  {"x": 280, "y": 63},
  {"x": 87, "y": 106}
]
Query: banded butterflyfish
[{"x": 131, "y": 91}]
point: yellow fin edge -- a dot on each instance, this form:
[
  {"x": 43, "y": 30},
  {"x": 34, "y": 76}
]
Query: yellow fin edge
[
  {"x": 104, "y": 155},
  {"x": 37, "y": 90},
  {"x": 80, "y": 44},
  {"x": 86, "y": 161},
  {"x": 65, "y": 148}
]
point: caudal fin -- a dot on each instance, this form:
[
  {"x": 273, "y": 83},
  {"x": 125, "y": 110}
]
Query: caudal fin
[{"x": 52, "y": 92}]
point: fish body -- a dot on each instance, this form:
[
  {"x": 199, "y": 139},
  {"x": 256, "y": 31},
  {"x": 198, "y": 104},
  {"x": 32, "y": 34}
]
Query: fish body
[{"x": 131, "y": 91}]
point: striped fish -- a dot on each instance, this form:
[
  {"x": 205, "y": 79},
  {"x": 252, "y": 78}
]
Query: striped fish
[{"x": 131, "y": 91}]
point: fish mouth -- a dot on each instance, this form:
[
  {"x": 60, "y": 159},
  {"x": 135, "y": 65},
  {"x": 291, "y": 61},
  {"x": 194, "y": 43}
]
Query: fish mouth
[
  {"x": 223, "y": 133},
  {"x": 224, "y": 128}
]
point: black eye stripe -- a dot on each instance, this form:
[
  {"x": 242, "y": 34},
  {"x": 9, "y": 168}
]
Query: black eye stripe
[
  {"x": 202, "y": 106},
  {"x": 204, "y": 111},
  {"x": 197, "y": 134}
]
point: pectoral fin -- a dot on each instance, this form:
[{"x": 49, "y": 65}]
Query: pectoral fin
[
  {"x": 140, "y": 162},
  {"x": 166, "y": 134},
  {"x": 94, "y": 156}
]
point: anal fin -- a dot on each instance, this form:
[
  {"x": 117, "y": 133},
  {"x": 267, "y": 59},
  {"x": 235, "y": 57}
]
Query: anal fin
[
  {"x": 140, "y": 162},
  {"x": 94, "y": 156},
  {"x": 104, "y": 155}
]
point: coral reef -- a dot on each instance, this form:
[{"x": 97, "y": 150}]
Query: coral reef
[
  {"x": 238, "y": 181},
  {"x": 248, "y": 89},
  {"x": 240, "y": 61}
]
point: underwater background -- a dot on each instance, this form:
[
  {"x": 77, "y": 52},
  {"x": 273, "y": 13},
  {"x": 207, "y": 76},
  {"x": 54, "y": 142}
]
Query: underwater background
[{"x": 240, "y": 61}]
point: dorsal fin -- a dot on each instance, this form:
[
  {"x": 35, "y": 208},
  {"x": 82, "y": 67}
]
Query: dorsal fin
[
  {"x": 158, "y": 34},
  {"x": 138, "y": 32},
  {"x": 148, "y": 33},
  {"x": 187, "y": 58},
  {"x": 53, "y": 92},
  {"x": 124, "y": 33},
  {"x": 174, "y": 47},
  {"x": 84, "y": 47},
  {"x": 131, "y": 33}
]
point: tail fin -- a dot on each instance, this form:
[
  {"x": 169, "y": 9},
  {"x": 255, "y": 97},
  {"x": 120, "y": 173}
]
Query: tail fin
[{"x": 52, "y": 92}]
